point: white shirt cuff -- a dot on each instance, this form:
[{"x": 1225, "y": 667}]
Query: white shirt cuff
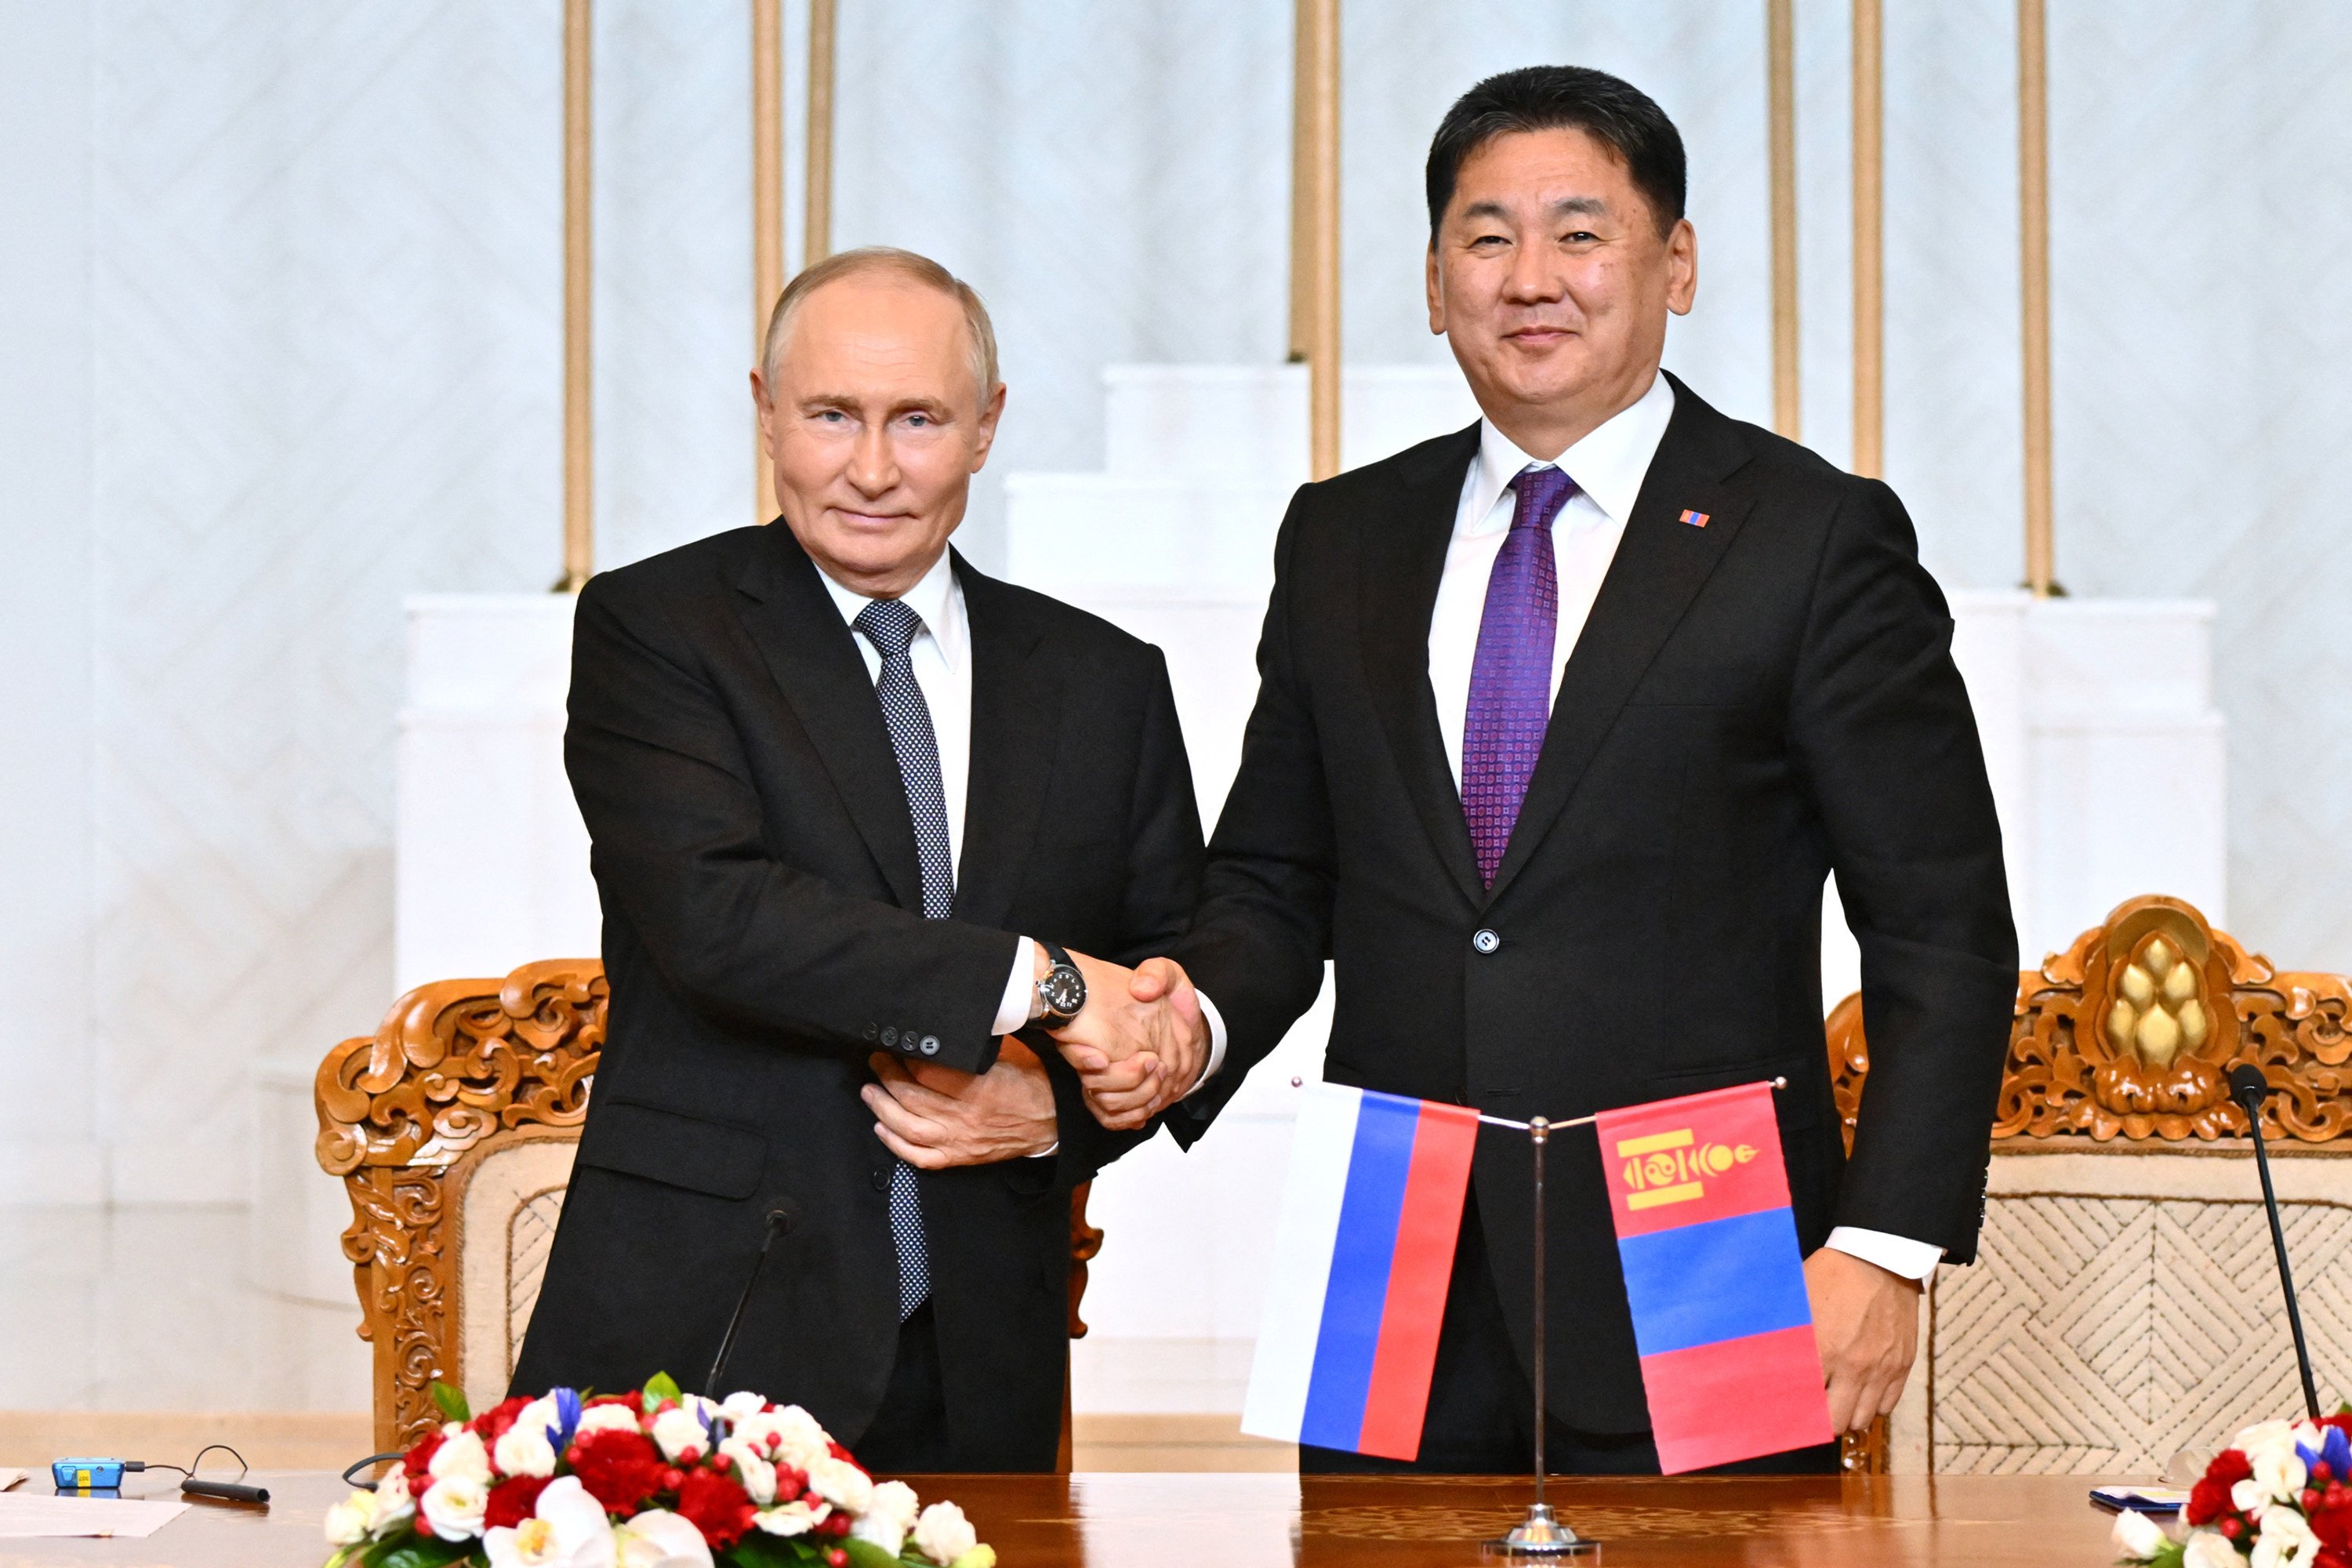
[
  {"x": 1896, "y": 1253},
  {"x": 1013, "y": 1012},
  {"x": 1217, "y": 1043}
]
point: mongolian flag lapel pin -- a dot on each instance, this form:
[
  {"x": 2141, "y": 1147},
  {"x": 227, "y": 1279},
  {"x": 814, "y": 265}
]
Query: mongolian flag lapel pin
[{"x": 1695, "y": 519}]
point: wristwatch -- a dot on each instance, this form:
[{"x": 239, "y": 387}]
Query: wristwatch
[{"x": 1062, "y": 992}]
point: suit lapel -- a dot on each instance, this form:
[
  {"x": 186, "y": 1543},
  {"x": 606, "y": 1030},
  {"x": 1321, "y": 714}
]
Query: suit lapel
[
  {"x": 1012, "y": 750},
  {"x": 1660, "y": 566},
  {"x": 813, "y": 655},
  {"x": 1402, "y": 558}
]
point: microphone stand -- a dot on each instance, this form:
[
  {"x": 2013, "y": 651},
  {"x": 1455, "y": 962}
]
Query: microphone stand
[
  {"x": 2249, "y": 1088},
  {"x": 780, "y": 1223},
  {"x": 1539, "y": 1534}
]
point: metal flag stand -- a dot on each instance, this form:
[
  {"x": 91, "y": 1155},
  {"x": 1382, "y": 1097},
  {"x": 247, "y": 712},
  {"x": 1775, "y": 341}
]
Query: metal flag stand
[{"x": 1541, "y": 1533}]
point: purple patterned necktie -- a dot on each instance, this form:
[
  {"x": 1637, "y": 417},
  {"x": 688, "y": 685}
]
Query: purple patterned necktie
[{"x": 1510, "y": 680}]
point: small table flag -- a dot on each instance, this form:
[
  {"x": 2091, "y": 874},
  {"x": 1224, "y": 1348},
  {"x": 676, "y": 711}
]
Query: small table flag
[{"x": 1713, "y": 1274}]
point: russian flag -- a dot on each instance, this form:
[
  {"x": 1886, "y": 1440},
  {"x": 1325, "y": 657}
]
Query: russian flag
[
  {"x": 1713, "y": 1275},
  {"x": 1361, "y": 1259}
]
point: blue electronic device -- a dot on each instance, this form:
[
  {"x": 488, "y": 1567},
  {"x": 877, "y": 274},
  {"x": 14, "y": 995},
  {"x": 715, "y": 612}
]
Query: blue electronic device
[{"x": 85, "y": 1475}]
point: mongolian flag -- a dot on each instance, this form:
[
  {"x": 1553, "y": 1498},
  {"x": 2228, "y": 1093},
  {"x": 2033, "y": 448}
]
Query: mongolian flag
[
  {"x": 1362, "y": 1255},
  {"x": 1709, "y": 1242}
]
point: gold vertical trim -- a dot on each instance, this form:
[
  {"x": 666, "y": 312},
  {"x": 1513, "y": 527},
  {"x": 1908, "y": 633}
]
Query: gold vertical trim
[
  {"x": 1320, "y": 23},
  {"x": 1869, "y": 242},
  {"x": 579, "y": 388},
  {"x": 2034, "y": 227},
  {"x": 1302, "y": 181},
  {"x": 1781, "y": 57},
  {"x": 817, "y": 242},
  {"x": 767, "y": 210}
]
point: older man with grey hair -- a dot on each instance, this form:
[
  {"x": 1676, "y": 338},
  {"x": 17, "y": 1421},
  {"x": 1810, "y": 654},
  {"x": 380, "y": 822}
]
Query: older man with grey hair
[{"x": 859, "y": 814}]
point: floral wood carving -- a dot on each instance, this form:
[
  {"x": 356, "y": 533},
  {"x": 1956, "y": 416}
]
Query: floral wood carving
[
  {"x": 454, "y": 1063},
  {"x": 2132, "y": 1031}
]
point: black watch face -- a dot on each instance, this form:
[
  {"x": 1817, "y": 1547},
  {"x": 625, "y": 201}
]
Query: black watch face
[{"x": 1065, "y": 990}]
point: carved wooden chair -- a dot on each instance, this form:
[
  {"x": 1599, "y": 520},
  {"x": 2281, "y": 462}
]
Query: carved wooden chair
[
  {"x": 453, "y": 1127},
  {"x": 2123, "y": 1305}
]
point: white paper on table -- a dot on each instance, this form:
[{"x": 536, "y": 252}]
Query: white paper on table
[
  {"x": 9, "y": 1478},
  {"x": 25, "y": 1515}
]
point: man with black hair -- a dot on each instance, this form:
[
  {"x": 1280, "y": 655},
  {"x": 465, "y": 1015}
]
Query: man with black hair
[{"x": 1563, "y": 720}]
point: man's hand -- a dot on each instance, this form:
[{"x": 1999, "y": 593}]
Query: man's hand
[
  {"x": 1141, "y": 1042},
  {"x": 1866, "y": 1324},
  {"x": 933, "y": 1117}
]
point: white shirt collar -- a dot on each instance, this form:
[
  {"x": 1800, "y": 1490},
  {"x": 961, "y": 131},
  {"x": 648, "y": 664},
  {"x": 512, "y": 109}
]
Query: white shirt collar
[
  {"x": 934, "y": 598},
  {"x": 1608, "y": 465}
]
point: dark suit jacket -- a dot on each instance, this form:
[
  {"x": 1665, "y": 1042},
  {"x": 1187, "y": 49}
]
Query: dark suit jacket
[
  {"x": 763, "y": 935},
  {"x": 1751, "y": 704}
]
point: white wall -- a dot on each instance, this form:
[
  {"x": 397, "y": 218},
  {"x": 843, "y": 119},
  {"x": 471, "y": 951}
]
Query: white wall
[{"x": 279, "y": 306}]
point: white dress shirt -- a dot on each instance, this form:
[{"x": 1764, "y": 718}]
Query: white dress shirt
[
  {"x": 941, "y": 657},
  {"x": 1607, "y": 466}
]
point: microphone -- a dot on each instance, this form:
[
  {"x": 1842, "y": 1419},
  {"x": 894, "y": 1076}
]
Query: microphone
[
  {"x": 780, "y": 1220},
  {"x": 227, "y": 1492},
  {"x": 2249, "y": 1088}
]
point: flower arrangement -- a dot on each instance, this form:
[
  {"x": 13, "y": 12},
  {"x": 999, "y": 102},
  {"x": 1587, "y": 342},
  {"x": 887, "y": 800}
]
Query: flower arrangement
[
  {"x": 2279, "y": 1497},
  {"x": 658, "y": 1479}
]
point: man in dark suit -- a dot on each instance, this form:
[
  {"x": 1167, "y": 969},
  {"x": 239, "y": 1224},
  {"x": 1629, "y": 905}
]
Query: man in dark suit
[
  {"x": 1562, "y": 721},
  {"x": 845, "y": 797}
]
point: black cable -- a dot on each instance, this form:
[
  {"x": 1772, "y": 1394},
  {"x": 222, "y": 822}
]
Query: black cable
[{"x": 350, "y": 1479}]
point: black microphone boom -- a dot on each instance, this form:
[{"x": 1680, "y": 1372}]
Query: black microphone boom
[
  {"x": 780, "y": 1223},
  {"x": 2248, "y": 1087}
]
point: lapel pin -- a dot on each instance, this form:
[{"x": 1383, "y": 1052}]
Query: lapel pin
[{"x": 1695, "y": 519}]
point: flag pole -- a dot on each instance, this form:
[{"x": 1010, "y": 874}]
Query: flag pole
[{"x": 1539, "y": 1534}]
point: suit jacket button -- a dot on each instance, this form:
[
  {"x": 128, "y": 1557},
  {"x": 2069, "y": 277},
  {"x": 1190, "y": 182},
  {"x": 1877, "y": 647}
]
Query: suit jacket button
[
  {"x": 890, "y": 1036},
  {"x": 1485, "y": 941},
  {"x": 906, "y": 1039},
  {"x": 930, "y": 1045},
  {"x": 872, "y": 1031},
  {"x": 881, "y": 1181}
]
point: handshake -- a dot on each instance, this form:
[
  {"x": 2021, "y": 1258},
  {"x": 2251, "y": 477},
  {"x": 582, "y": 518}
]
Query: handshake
[{"x": 1141, "y": 1041}]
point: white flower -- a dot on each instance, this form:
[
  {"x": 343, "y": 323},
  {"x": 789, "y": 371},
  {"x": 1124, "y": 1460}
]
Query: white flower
[
  {"x": 841, "y": 1483},
  {"x": 606, "y": 1418},
  {"x": 452, "y": 1507},
  {"x": 943, "y": 1534},
  {"x": 567, "y": 1529},
  {"x": 2248, "y": 1496},
  {"x": 741, "y": 1403},
  {"x": 2279, "y": 1474},
  {"x": 887, "y": 1516},
  {"x": 394, "y": 1506},
  {"x": 680, "y": 1431},
  {"x": 351, "y": 1521},
  {"x": 525, "y": 1451},
  {"x": 660, "y": 1538},
  {"x": 2211, "y": 1549},
  {"x": 751, "y": 1468},
  {"x": 2286, "y": 1540},
  {"x": 461, "y": 1457},
  {"x": 792, "y": 1518},
  {"x": 2265, "y": 1437},
  {"x": 800, "y": 1440}
]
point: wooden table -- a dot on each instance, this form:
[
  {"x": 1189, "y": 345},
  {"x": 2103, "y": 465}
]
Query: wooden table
[{"x": 1263, "y": 1520}]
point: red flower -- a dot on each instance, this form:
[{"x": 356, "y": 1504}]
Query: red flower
[
  {"x": 491, "y": 1425},
  {"x": 619, "y": 1469},
  {"x": 420, "y": 1460},
  {"x": 636, "y": 1405},
  {"x": 717, "y": 1506},
  {"x": 510, "y": 1503},
  {"x": 2230, "y": 1466},
  {"x": 2334, "y": 1527}
]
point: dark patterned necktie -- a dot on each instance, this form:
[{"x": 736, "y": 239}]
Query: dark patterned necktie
[
  {"x": 891, "y": 628},
  {"x": 1510, "y": 679}
]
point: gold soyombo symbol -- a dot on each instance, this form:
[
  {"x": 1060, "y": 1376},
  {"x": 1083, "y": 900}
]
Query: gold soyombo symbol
[{"x": 1671, "y": 1167}]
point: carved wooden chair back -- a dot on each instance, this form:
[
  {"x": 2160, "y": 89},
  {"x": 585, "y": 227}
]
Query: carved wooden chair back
[
  {"x": 453, "y": 1127},
  {"x": 2123, "y": 1045}
]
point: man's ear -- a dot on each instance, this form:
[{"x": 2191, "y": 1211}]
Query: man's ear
[
  {"x": 1681, "y": 268},
  {"x": 990, "y": 413},
  {"x": 1434, "y": 283},
  {"x": 766, "y": 407}
]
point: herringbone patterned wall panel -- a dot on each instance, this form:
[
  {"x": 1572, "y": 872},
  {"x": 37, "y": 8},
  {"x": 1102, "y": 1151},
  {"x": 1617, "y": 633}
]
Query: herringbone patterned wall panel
[{"x": 2102, "y": 1335}]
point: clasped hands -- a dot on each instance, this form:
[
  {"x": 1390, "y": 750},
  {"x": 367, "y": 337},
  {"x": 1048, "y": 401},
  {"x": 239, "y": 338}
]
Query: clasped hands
[{"x": 1140, "y": 1045}]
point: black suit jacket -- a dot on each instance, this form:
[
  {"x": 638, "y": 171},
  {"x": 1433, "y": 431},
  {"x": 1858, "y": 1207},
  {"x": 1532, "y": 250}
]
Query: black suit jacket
[
  {"x": 763, "y": 935},
  {"x": 1751, "y": 704}
]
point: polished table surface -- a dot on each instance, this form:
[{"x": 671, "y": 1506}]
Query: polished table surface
[{"x": 1111, "y": 1520}]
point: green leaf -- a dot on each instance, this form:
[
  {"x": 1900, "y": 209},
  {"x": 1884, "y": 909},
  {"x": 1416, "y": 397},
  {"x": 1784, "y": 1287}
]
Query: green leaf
[
  {"x": 418, "y": 1550},
  {"x": 866, "y": 1554},
  {"x": 660, "y": 1387},
  {"x": 451, "y": 1402},
  {"x": 758, "y": 1549}
]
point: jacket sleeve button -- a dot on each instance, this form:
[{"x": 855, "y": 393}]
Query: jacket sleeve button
[
  {"x": 930, "y": 1045},
  {"x": 1485, "y": 941},
  {"x": 872, "y": 1031},
  {"x": 889, "y": 1035}
]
